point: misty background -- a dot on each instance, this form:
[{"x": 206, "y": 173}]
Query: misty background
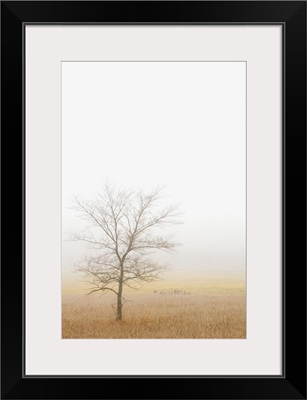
[{"x": 179, "y": 125}]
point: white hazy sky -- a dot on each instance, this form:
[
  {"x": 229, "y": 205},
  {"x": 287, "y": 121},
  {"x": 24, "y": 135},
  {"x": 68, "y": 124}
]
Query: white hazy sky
[{"x": 180, "y": 125}]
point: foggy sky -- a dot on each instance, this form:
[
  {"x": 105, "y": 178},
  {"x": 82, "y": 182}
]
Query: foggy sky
[{"x": 180, "y": 125}]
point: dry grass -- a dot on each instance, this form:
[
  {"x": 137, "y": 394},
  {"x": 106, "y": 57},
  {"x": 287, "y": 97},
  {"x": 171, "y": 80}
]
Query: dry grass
[{"x": 216, "y": 313}]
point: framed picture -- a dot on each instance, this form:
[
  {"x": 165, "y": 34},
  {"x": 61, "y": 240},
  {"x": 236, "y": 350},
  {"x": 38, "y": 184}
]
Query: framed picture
[{"x": 154, "y": 217}]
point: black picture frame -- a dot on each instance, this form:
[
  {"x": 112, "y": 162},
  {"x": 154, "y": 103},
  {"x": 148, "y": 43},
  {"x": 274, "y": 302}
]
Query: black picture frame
[{"x": 292, "y": 16}]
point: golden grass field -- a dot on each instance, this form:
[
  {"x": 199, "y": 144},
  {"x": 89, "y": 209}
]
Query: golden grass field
[{"x": 214, "y": 307}]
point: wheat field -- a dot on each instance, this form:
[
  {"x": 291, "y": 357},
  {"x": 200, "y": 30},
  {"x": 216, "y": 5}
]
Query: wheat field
[{"x": 213, "y": 308}]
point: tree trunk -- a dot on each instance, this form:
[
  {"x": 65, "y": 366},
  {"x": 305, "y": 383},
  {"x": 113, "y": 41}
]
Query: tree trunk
[{"x": 119, "y": 313}]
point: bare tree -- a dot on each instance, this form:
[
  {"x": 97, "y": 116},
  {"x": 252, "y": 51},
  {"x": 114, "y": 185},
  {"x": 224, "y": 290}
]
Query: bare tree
[{"x": 124, "y": 230}]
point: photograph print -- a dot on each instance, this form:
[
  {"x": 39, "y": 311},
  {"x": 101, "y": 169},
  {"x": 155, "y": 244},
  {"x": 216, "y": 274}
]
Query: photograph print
[{"x": 153, "y": 200}]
